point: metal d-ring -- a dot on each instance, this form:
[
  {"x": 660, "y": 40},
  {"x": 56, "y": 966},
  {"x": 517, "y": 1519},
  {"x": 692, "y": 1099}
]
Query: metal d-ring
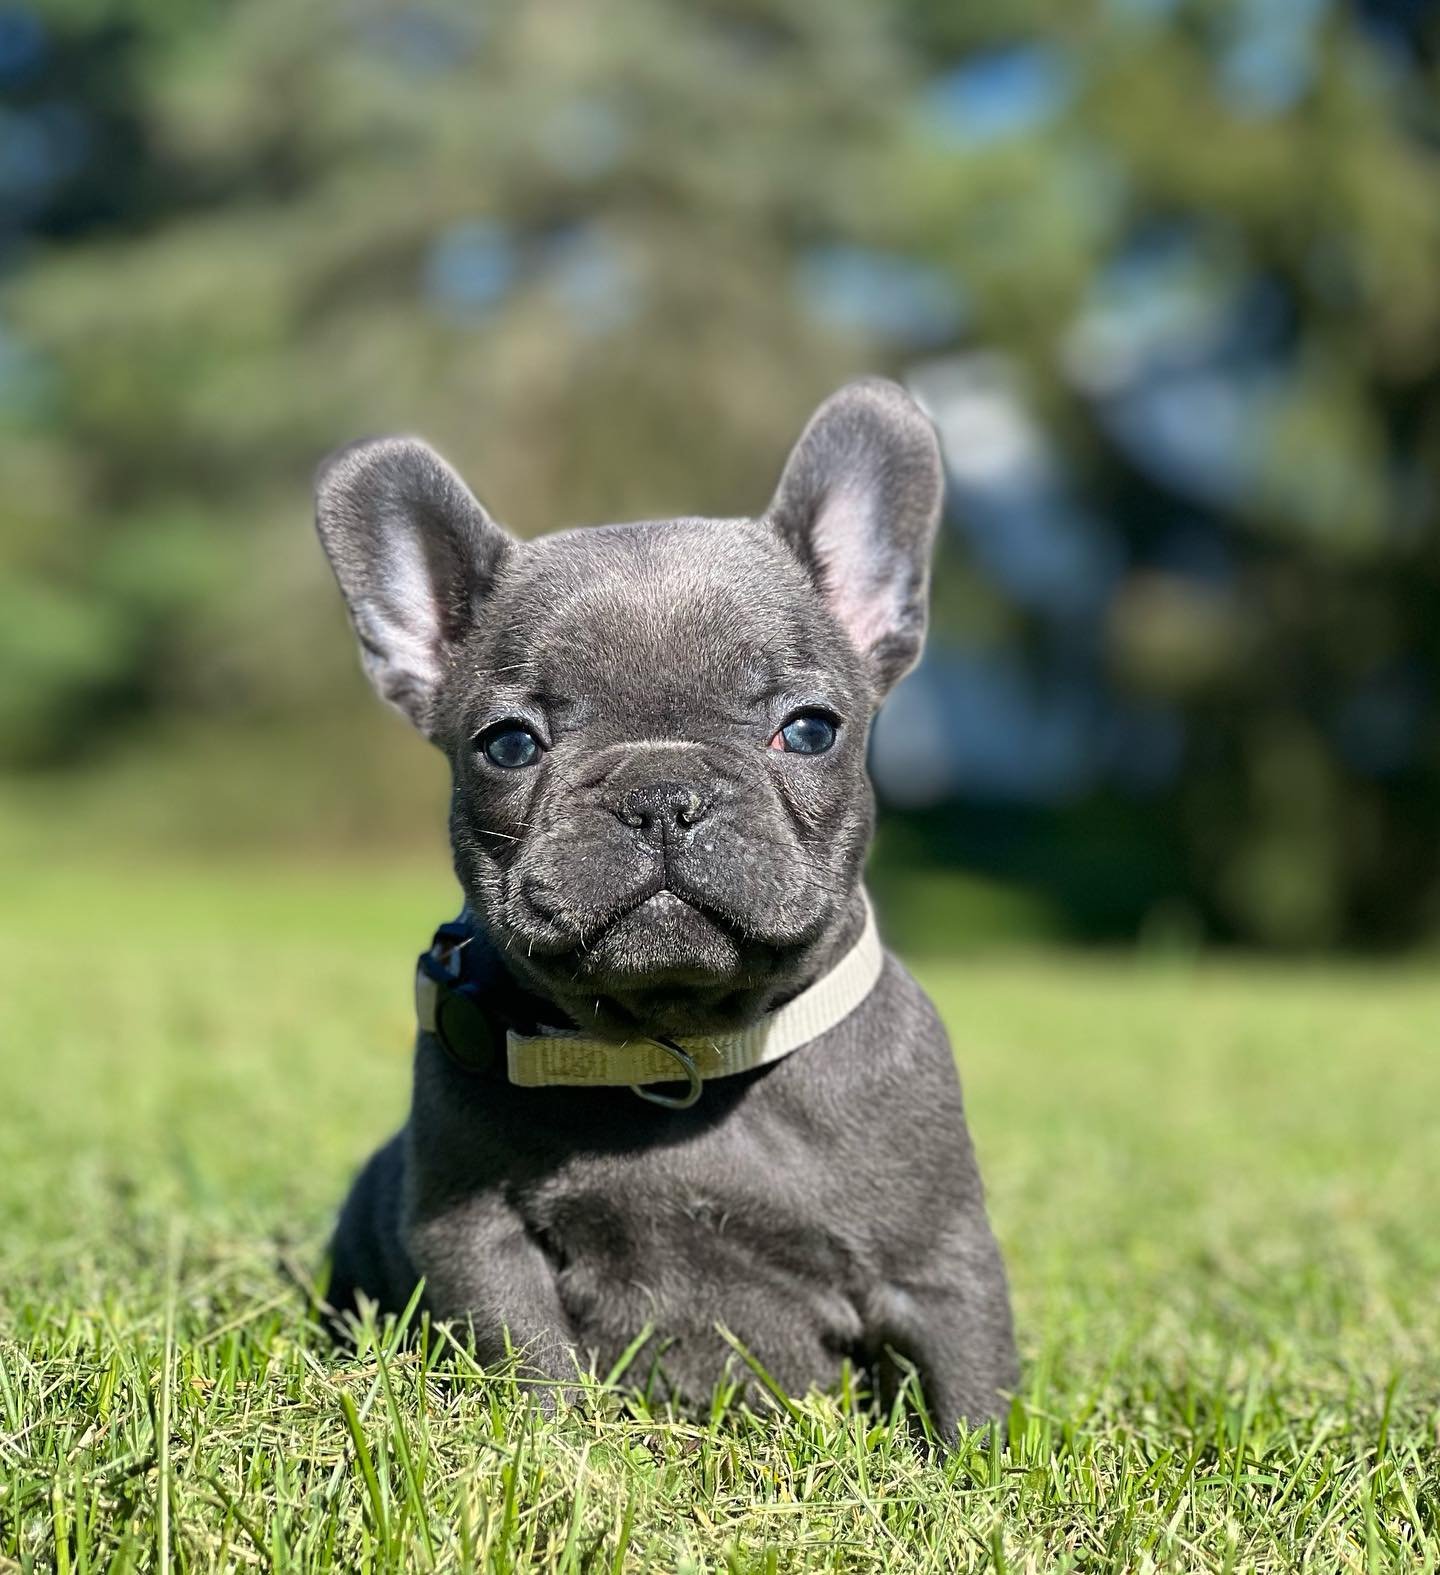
[{"x": 692, "y": 1072}]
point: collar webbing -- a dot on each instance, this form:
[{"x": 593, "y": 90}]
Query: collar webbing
[{"x": 569, "y": 1058}]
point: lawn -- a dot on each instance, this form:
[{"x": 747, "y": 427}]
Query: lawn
[{"x": 1217, "y": 1186}]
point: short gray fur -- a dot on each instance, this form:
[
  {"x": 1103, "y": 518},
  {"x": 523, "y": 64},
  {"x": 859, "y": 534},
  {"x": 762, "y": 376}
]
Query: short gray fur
[{"x": 661, "y": 869}]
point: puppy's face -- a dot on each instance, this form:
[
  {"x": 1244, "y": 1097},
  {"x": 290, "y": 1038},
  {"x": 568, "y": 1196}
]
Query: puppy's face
[
  {"x": 656, "y": 731},
  {"x": 658, "y": 750}
]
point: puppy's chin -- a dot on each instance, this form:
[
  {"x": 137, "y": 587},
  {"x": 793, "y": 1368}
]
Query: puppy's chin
[
  {"x": 665, "y": 944},
  {"x": 664, "y": 968}
]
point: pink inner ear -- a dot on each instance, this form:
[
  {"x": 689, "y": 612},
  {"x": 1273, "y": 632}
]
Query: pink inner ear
[
  {"x": 866, "y": 622},
  {"x": 864, "y": 602}
]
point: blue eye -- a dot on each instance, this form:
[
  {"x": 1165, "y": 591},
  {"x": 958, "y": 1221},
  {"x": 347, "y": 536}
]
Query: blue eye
[
  {"x": 810, "y": 733},
  {"x": 510, "y": 745}
]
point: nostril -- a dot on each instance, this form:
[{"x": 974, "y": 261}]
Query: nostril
[{"x": 662, "y": 804}]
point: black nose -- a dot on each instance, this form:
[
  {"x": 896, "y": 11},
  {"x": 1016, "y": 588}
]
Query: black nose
[{"x": 659, "y": 806}]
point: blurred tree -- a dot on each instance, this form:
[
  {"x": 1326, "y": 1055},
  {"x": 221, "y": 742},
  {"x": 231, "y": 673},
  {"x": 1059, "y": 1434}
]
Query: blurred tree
[
  {"x": 560, "y": 250},
  {"x": 1209, "y": 234},
  {"x": 1188, "y": 622}
]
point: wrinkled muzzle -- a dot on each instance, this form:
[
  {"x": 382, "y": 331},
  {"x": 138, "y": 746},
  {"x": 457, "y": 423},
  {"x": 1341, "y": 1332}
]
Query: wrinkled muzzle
[{"x": 663, "y": 861}]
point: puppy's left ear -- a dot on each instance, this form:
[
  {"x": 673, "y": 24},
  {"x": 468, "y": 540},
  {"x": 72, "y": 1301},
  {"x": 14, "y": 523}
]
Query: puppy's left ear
[{"x": 858, "y": 503}]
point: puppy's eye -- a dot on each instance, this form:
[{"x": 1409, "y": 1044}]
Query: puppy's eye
[
  {"x": 810, "y": 733},
  {"x": 509, "y": 745}
]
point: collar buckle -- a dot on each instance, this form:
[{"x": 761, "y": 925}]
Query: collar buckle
[{"x": 691, "y": 1071}]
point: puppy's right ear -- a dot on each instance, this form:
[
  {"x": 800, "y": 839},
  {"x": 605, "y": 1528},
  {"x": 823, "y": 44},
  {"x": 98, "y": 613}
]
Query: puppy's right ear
[{"x": 415, "y": 555}]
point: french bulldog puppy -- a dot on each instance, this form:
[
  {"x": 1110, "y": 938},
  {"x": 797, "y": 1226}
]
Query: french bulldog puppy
[{"x": 660, "y": 818}]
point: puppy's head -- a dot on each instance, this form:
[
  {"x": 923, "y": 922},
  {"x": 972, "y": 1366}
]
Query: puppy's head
[{"x": 656, "y": 731}]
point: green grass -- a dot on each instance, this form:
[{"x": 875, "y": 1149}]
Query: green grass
[{"x": 1218, "y": 1189}]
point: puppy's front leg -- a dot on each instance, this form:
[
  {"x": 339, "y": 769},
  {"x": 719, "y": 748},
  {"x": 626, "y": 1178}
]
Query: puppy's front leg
[
  {"x": 483, "y": 1269},
  {"x": 954, "y": 1326}
]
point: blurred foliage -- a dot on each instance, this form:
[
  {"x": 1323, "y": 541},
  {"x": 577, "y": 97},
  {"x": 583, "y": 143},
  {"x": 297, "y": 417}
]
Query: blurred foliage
[{"x": 608, "y": 261}]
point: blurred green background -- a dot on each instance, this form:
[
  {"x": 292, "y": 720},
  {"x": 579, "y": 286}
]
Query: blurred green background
[{"x": 1166, "y": 273}]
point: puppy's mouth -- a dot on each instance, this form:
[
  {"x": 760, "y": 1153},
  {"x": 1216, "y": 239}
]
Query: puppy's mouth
[
  {"x": 661, "y": 957},
  {"x": 668, "y": 955},
  {"x": 664, "y": 939},
  {"x": 662, "y": 918}
]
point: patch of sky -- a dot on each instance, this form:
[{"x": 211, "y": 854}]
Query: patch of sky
[
  {"x": 22, "y": 43},
  {"x": 987, "y": 726},
  {"x": 1268, "y": 64},
  {"x": 591, "y": 275},
  {"x": 1049, "y": 553},
  {"x": 981, "y": 725},
  {"x": 1182, "y": 355},
  {"x": 40, "y": 147},
  {"x": 1009, "y": 493},
  {"x": 858, "y": 289},
  {"x": 1195, "y": 431},
  {"x": 996, "y": 95},
  {"x": 1161, "y": 297},
  {"x": 470, "y": 268}
]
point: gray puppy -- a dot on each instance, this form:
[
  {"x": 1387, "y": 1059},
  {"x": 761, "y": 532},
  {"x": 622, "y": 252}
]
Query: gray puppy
[{"x": 660, "y": 817}]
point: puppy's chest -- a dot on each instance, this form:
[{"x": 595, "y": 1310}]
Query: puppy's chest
[{"x": 684, "y": 1253}]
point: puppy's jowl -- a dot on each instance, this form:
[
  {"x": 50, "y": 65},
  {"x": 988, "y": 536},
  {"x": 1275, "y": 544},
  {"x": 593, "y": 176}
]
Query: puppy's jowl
[{"x": 666, "y": 1075}]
